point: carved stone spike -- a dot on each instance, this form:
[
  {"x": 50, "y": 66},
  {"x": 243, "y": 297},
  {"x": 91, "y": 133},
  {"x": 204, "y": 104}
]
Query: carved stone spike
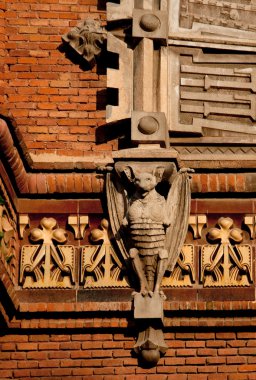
[
  {"x": 197, "y": 222},
  {"x": 78, "y": 224},
  {"x": 183, "y": 273},
  {"x": 226, "y": 264},
  {"x": 100, "y": 264},
  {"x": 83, "y": 223},
  {"x": 47, "y": 265},
  {"x": 23, "y": 223},
  {"x": 73, "y": 222},
  {"x": 86, "y": 39},
  {"x": 250, "y": 222}
]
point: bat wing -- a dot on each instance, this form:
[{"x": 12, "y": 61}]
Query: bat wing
[
  {"x": 178, "y": 209},
  {"x": 117, "y": 208}
]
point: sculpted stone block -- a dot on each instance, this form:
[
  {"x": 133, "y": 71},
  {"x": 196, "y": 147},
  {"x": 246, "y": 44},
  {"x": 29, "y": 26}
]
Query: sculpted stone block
[
  {"x": 121, "y": 79},
  {"x": 120, "y": 11},
  {"x": 148, "y": 307}
]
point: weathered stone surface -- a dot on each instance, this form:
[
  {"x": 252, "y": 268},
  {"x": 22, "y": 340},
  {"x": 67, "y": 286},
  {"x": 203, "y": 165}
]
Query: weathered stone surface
[{"x": 148, "y": 307}]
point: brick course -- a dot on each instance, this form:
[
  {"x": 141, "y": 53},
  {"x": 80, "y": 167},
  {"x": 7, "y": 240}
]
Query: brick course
[{"x": 89, "y": 355}]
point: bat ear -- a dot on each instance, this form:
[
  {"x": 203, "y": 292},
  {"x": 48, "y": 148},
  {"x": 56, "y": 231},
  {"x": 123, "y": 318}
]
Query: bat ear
[
  {"x": 158, "y": 173},
  {"x": 128, "y": 171}
]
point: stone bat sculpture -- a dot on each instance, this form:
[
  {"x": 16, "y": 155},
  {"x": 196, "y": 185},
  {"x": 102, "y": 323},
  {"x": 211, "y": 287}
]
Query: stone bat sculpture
[{"x": 155, "y": 227}]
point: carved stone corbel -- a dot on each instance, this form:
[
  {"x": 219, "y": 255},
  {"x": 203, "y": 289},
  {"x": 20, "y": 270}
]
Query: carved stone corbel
[{"x": 150, "y": 229}]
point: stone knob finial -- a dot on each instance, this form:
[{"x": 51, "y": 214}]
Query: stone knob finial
[{"x": 149, "y": 22}]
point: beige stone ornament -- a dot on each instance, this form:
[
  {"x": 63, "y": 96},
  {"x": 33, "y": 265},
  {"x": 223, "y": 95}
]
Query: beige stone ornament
[
  {"x": 183, "y": 273},
  {"x": 197, "y": 223},
  {"x": 87, "y": 39},
  {"x": 226, "y": 263},
  {"x": 100, "y": 264},
  {"x": 47, "y": 264},
  {"x": 8, "y": 239},
  {"x": 78, "y": 223}
]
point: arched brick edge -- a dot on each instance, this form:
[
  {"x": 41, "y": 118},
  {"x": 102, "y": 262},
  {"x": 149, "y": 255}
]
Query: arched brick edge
[{"x": 44, "y": 183}]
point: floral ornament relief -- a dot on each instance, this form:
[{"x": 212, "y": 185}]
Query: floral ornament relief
[
  {"x": 48, "y": 264},
  {"x": 226, "y": 263},
  {"x": 100, "y": 265},
  {"x": 8, "y": 240}
]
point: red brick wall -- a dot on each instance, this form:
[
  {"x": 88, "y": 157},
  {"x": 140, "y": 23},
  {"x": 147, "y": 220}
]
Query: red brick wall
[
  {"x": 201, "y": 355},
  {"x": 56, "y": 104}
]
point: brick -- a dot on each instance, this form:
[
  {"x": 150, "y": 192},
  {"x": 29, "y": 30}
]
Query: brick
[
  {"x": 6, "y": 374},
  {"x": 28, "y": 364},
  {"x": 186, "y": 369},
  {"x": 238, "y": 376},
  {"x": 7, "y": 346},
  {"x": 18, "y": 373},
  {"x": 82, "y": 371},
  {"x": 247, "y": 368},
  {"x": 61, "y": 371},
  {"x": 48, "y": 346},
  {"x": 227, "y": 351},
  {"x": 58, "y": 354},
  {"x": 40, "y": 372}
]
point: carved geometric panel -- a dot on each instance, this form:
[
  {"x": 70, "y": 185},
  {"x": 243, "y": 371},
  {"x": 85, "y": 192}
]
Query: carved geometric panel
[
  {"x": 183, "y": 273},
  {"x": 9, "y": 242},
  {"x": 226, "y": 263},
  {"x": 235, "y": 14},
  {"x": 217, "y": 92},
  {"x": 47, "y": 264},
  {"x": 100, "y": 264}
]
